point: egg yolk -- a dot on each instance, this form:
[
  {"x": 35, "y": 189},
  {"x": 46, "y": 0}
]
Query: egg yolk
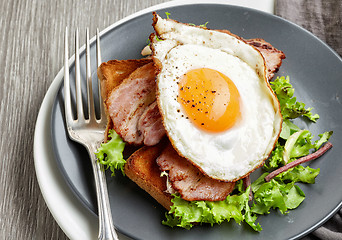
[{"x": 210, "y": 99}]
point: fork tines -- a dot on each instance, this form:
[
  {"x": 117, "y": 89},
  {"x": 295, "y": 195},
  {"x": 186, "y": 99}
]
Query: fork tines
[{"x": 79, "y": 103}]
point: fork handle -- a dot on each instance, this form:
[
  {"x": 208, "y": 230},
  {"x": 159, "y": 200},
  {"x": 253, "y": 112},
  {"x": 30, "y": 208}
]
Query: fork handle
[{"x": 106, "y": 226}]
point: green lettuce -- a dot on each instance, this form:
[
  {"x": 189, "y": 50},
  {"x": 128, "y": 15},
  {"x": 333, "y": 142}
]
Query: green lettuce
[
  {"x": 289, "y": 106},
  {"x": 276, "y": 158},
  {"x": 281, "y": 192},
  {"x": 288, "y": 128},
  {"x": 276, "y": 195},
  {"x": 110, "y": 154},
  {"x": 294, "y": 142},
  {"x": 299, "y": 144},
  {"x": 298, "y": 174},
  {"x": 185, "y": 214}
]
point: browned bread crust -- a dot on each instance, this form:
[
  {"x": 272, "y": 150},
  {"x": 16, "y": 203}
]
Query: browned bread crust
[{"x": 141, "y": 168}]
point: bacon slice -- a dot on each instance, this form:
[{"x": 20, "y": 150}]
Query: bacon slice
[
  {"x": 273, "y": 57},
  {"x": 189, "y": 181},
  {"x": 151, "y": 125},
  {"x": 132, "y": 109},
  {"x": 113, "y": 72}
]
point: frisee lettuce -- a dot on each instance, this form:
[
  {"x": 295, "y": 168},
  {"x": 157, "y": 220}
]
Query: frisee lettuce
[
  {"x": 289, "y": 106},
  {"x": 276, "y": 195},
  {"x": 110, "y": 154},
  {"x": 184, "y": 213},
  {"x": 281, "y": 192},
  {"x": 296, "y": 142},
  {"x": 298, "y": 174},
  {"x": 297, "y": 145}
]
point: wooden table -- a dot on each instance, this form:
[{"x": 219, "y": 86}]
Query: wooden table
[{"x": 31, "y": 44}]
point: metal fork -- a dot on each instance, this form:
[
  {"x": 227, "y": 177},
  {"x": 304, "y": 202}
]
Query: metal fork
[{"x": 89, "y": 131}]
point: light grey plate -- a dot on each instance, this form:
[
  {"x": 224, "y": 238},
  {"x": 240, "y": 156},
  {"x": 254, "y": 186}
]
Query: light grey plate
[{"x": 316, "y": 73}]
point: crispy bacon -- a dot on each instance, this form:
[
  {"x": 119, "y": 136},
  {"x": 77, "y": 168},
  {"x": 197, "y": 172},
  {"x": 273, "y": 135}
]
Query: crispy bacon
[
  {"x": 273, "y": 57},
  {"x": 301, "y": 160},
  {"x": 151, "y": 125},
  {"x": 186, "y": 179},
  {"x": 132, "y": 108}
]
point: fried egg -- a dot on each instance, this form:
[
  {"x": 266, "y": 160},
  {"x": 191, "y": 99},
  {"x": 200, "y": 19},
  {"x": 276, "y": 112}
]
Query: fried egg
[{"x": 218, "y": 109}]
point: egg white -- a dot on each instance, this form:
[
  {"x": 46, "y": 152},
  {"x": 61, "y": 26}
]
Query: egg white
[{"x": 231, "y": 154}]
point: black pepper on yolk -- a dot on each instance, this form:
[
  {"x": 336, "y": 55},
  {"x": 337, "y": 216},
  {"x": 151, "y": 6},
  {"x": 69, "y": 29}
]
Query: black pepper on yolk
[{"x": 210, "y": 99}]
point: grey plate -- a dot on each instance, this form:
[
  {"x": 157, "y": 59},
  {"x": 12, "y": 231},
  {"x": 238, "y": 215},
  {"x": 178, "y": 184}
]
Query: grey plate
[{"x": 316, "y": 73}]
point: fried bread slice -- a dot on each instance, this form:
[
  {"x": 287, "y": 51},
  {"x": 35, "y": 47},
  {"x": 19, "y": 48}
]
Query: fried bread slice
[{"x": 142, "y": 168}]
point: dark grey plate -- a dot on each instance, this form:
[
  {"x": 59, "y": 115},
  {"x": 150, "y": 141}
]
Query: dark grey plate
[{"x": 316, "y": 73}]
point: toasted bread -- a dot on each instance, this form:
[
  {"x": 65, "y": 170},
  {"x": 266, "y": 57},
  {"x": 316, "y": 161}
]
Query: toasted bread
[{"x": 141, "y": 168}]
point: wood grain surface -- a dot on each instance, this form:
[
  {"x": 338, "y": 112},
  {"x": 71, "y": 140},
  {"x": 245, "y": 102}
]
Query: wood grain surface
[{"x": 31, "y": 47}]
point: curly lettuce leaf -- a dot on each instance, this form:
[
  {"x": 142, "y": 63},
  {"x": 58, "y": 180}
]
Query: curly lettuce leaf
[
  {"x": 298, "y": 174},
  {"x": 185, "y": 214},
  {"x": 281, "y": 192},
  {"x": 277, "y": 195},
  {"x": 110, "y": 154},
  {"x": 299, "y": 144},
  {"x": 322, "y": 139},
  {"x": 239, "y": 187},
  {"x": 288, "y": 128},
  {"x": 268, "y": 196},
  {"x": 290, "y": 108},
  {"x": 276, "y": 158}
]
